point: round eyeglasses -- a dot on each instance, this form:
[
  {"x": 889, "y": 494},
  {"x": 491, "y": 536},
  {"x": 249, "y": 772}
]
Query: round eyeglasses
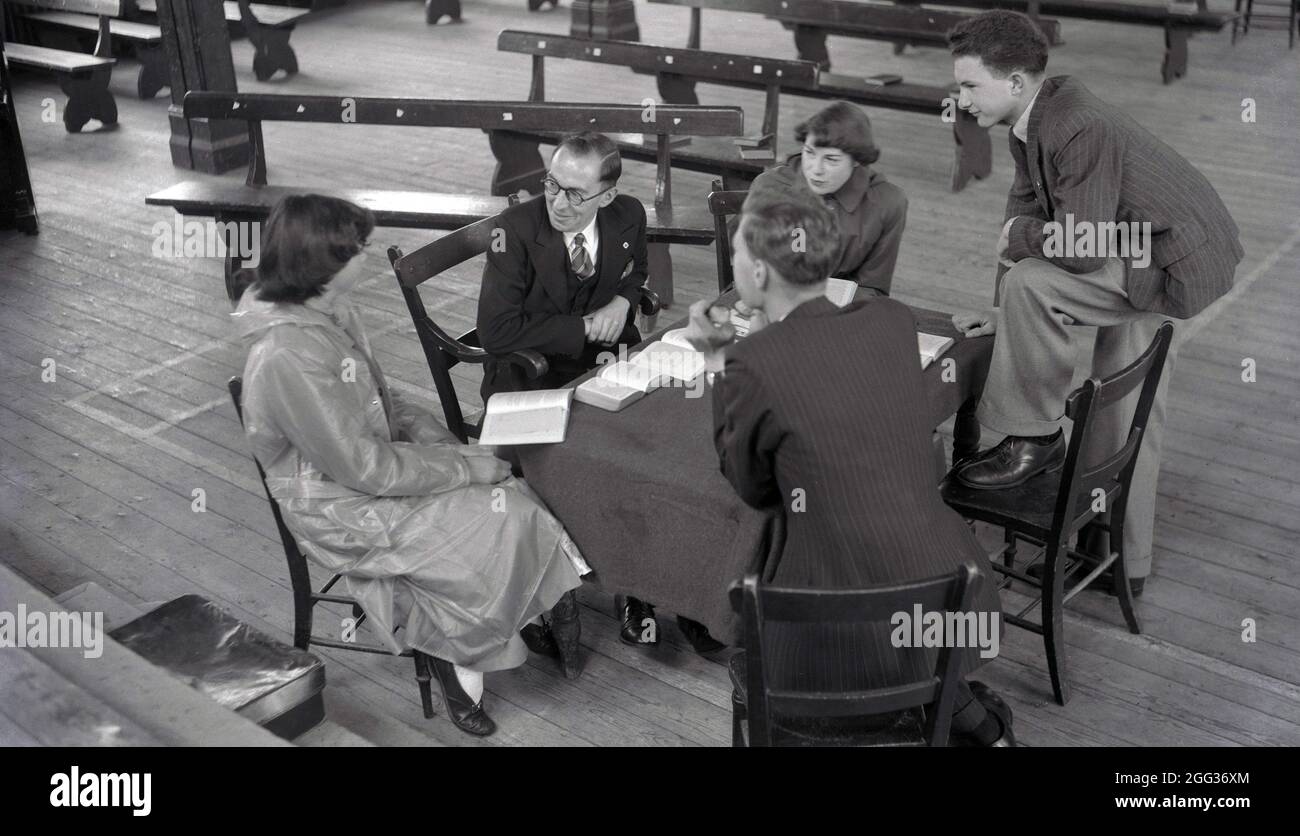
[{"x": 573, "y": 196}]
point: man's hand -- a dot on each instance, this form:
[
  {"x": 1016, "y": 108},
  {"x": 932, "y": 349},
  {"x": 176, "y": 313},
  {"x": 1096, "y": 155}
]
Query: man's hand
[
  {"x": 977, "y": 325},
  {"x": 709, "y": 332},
  {"x": 487, "y": 470},
  {"x": 606, "y": 323},
  {"x": 1004, "y": 243}
]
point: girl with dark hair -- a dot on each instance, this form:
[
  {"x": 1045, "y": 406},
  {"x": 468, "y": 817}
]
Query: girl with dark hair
[
  {"x": 834, "y": 167},
  {"x": 429, "y": 534}
]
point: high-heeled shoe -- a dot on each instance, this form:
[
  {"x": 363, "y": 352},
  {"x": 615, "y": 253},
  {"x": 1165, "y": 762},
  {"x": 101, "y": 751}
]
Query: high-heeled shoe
[
  {"x": 468, "y": 715},
  {"x": 566, "y": 629}
]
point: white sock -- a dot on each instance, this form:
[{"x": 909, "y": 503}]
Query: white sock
[{"x": 471, "y": 681}]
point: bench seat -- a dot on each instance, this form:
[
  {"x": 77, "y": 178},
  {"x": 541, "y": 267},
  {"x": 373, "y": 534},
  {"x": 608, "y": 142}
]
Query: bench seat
[
  {"x": 56, "y": 60},
  {"x": 267, "y": 15},
  {"x": 145, "y": 38},
  {"x": 127, "y": 30}
]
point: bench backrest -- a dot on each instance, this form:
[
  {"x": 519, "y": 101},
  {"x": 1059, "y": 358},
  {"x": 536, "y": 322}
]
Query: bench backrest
[
  {"x": 105, "y": 9},
  {"x": 505, "y": 117}
]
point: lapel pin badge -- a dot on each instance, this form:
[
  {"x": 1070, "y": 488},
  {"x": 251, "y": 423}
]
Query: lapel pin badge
[{"x": 625, "y": 245}]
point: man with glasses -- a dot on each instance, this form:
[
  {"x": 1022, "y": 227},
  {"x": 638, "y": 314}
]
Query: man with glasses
[
  {"x": 565, "y": 276},
  {"x": 565, "y": 280}
]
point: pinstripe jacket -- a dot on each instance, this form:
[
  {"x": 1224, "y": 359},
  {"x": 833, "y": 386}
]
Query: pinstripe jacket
[
  {"x": 1087, "y": 162},
  {"x": 821, "y": 413}
]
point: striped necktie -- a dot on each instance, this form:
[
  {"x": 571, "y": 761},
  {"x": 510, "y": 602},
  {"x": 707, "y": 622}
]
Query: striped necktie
[{"x": 579, "y": 259}]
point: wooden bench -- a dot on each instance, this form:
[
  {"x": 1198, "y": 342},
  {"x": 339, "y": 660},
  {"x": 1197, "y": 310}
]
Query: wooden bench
[
  {"x": 83, "y": 78},
  {"x": 145, "y": 39},
  {"x": 678, "y": 70},
  {"x": 519, "y": 162},
  {"x": 812, "y": 20},
  {"x": 1179, "y": 22},
  {"x": 267, "y": 27}
]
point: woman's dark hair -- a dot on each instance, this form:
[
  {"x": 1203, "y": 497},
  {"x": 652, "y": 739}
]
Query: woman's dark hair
[
  {"x": 841, "y": 126},
  {"x": 1003, "y": 40},
  {"x": 305, "y": 241}
]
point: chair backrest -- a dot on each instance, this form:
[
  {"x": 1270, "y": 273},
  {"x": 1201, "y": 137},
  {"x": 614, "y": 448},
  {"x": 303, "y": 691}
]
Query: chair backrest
[
  {"x": 761, "y": 605},
  {"x": 1079, "y": 481},
  {"x": 441, "y": 350},
  {"x": 299, "y": 578},
  {"x": 304, "y": 597},
  {"x": 723, "y": 204}
]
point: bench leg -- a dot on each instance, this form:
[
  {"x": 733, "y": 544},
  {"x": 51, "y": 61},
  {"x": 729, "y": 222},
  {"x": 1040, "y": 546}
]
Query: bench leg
[
  {"x": 661, "y": 272},
  {"x": 519, "y": 164},
  {"x": 153, "y": 71},
  {"x": 1175, "y": 64},
  {"x": 974, "y": 153},
  {"x": 434, "y": 10},
  {"x": 272, "y": 51},
  {"x": 676, "y": 89},
  {"x": 811, "y": 45},
  {"x": 534, "y": 5},
  {"x": 88, "y": 98}
]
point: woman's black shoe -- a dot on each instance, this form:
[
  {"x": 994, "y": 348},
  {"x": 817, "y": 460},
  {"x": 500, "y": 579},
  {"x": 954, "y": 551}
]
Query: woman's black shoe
[
  {"x": 468, "y": 716},
  {"x": 995, "y": 705},
  {"x": 566, "y": 631}
]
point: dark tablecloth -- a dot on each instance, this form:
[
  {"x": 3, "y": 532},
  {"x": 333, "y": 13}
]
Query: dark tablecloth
[{"x": 641, "y": 493}]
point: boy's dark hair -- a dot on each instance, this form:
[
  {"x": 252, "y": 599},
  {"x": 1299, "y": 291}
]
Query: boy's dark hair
[
  {"x": 1004, "y": 41},
  {"x": 593, "y": 144},
  {"x": 800, "y": 239},
  {"x": 306, "y": 240},
  {"x": 841, "y": 126}
]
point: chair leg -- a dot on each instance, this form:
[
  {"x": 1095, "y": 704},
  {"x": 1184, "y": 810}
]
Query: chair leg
[
  {"x": 1054, "y": 622},
  {"x": 1009, "y": 556},
  {"x": 1122, "y": 589},
  {"x": 738, "y": 717},
  {"x": 423, "y": 676}
]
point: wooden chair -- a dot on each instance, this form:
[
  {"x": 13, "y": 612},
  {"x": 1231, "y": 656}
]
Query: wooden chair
[
  {"x": 305, "y": 598},
  {"x": 1048, "y": 510},
  {"x": 443, "y": 351},
  {"x": 1288, "y": 15},
  {"x": 721, "y": 205},
  {"x": 815, "y": 718}
]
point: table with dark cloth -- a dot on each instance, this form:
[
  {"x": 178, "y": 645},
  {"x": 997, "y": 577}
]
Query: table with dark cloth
[{"x": 641, "y": 493}]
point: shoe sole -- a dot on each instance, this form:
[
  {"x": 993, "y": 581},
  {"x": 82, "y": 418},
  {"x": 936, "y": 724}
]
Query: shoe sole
[{"x": 1016, "y": 484}]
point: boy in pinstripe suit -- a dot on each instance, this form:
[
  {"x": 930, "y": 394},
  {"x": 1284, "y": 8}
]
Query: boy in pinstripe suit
[{"x": 1084, "y": 165}]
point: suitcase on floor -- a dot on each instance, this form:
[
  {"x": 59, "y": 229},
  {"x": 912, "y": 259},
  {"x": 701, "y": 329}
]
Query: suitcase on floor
[{"x": 265, "y": 680}]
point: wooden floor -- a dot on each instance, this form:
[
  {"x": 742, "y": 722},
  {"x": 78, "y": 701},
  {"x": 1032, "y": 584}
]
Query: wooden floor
[{"x": 98, "y": 469}]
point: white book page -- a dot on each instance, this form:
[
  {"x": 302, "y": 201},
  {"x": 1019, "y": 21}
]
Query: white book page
[
  {"x": 931, "y": 346},
  {"x": 664, "y": 361},
  {"x": 630, "y": 375},
  {"x": 841, "y": 291},
  {"x": 545, "y": 425},
  {"x": 503, "y": 402}
]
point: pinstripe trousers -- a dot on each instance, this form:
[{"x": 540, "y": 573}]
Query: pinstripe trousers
[{"x": 1033, "y": 366}]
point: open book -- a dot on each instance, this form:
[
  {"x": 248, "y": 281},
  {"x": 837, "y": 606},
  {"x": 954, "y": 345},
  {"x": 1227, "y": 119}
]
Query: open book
[
  {"x": 660, "y": 364},
  {"x": 932, "y": 346},
  {"x": 539, "y": 417}
]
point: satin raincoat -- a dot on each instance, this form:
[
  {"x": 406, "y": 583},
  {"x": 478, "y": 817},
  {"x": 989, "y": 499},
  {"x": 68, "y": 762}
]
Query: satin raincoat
[{"x": 378, "y": 490}]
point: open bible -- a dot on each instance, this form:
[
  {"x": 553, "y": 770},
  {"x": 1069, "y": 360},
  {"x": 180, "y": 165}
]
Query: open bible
[
  {"x": 538, "y": 417},
  {"x": 659, "y": 364}
]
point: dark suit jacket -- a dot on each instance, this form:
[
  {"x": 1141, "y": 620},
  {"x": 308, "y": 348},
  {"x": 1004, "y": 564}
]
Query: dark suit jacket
[
  {"x": 1089, "y": 159},
  {"x": 829, "y": 403},
  {"x": 524, "y": 301}
]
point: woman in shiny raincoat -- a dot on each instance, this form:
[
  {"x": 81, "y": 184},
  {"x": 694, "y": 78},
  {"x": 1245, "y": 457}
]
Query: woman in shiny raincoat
[{"x": 429, "y": 534}]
